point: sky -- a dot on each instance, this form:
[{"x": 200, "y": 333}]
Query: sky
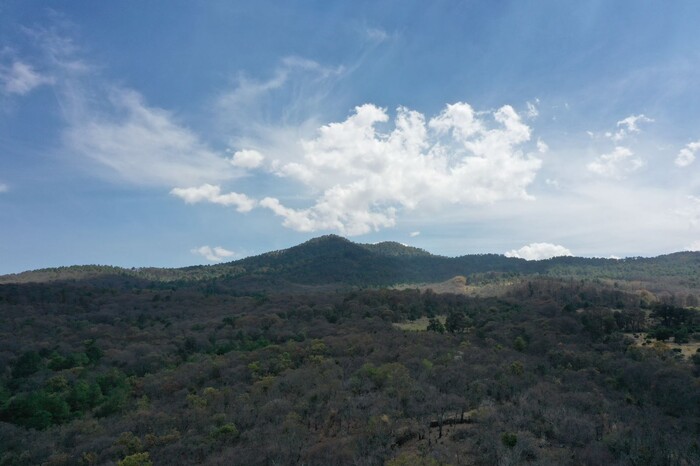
[{"x": 173, "y": 133}]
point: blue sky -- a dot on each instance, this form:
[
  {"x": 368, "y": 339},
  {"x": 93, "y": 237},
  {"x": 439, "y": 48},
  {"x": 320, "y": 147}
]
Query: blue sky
[{"x": 180, "y": 132}]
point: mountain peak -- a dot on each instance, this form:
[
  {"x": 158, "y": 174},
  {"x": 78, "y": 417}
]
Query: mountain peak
[
  {"x": 395, "y": 249},
  {"x": 330, "y": 239}
]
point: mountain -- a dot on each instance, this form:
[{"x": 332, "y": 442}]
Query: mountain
[
  {"x": 394, "y": 249},
  {"x": 336, "y": 261}
]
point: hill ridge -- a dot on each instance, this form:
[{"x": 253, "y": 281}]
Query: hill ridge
[{"x": 333, "y": 259}]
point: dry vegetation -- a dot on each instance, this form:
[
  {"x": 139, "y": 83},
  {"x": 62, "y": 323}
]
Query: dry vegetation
[{"x": 244, "y": 366}]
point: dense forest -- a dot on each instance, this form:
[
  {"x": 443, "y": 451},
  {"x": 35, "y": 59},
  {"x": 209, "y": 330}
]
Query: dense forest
[{"x": 315, "y": 356}]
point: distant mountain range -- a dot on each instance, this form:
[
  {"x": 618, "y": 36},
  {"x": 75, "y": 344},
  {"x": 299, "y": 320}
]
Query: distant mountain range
[{"x": 333, "y": 260}]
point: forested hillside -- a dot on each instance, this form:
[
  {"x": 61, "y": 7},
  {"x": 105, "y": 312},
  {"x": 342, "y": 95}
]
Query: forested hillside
[
  {"x": 571, "y": 361},
  {"x": 333, "y": 260}
]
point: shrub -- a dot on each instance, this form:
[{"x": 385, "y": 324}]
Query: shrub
[
  {"x": 137, "y": 459},
  {"x": 509, "y": 439}
]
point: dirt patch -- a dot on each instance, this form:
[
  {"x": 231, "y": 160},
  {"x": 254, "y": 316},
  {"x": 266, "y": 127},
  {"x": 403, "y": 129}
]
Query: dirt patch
[{"x": 686, "y": 349}]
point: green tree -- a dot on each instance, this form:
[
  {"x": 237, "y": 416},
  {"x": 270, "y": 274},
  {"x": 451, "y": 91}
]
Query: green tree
[
  {"x": 520, "y": 344},
  {"x": 38, "y": 410},
  {"x": 663, "y": 333},
  {"x": 456, "y": 322},
  {"x": 137, "y": 459},
  {"x": 681, "y": 335},
  {"x": 434, "y": 325},
  {"x": 226, "y": 432},
  {"x": 27, "y": 364},
  {"x": 84, "y": 396},
  {"x": 509, "y": 439}
]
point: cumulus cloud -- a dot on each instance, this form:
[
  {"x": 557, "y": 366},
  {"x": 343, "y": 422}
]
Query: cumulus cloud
[
  {"x": 413, "y": 234},
  {"x": 359, "y": 173},
  {"x": 21, "y": 78},
  {"x": 364, "y": 177},
  {"x": 616, "y": 164},
  {"x": 247, "y": 159},
  {"x": 539, "y": 251},
  {"x": 686, "y": 156},
  {"x": 215, "y": 254},
  {"x": 212, "y": 193}
]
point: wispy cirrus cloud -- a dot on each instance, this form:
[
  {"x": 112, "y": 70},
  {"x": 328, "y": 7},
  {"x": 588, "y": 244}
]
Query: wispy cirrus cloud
[
  {"x": 114, "y": 131},
  {"x": 251, "y": 101},
  {"x": 142, "y": 144},
  {"x": 21, "y": 78}
]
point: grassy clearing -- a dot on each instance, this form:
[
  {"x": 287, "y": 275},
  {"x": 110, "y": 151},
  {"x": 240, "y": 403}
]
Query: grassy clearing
[
  {"x": 459, "y": 285},
  {"x": 687, "y": 349},
  {"x": 418, "y": 325}
]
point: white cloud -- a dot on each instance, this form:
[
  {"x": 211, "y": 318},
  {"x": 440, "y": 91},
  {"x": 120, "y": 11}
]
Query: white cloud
[
  {"x": 694, "y": 246},
  {"x": 628, "y": 126},
  {"x": 249, "y": 101},
  {"x": 539, "y": 251},
  {"x": 273, "y": 115},
  {"x": 542, "y": 146},
  {"x": 4, "y": 188},
  {"x": 115, "y": 127},
  {"x": 630, "y": 123},
  {"x": 365, "y": 177},
  {"x": 691, "y": 211},
  {"x": 211, "y": 193},
  {"x": 551, "y": 182},
  {"x": 215, "y": 254},
  {"x": 532, "y": 111},
  {"x": 142, "y": 144},
  {"x": 20, "y": 78},
  {"x": 413, "y": 234},
  {"x": 247, "y": 159},
  {"x": 686, "y": 156},
  {"x": 376, "y": 34},
  {"x": 616, "y": 164}
]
